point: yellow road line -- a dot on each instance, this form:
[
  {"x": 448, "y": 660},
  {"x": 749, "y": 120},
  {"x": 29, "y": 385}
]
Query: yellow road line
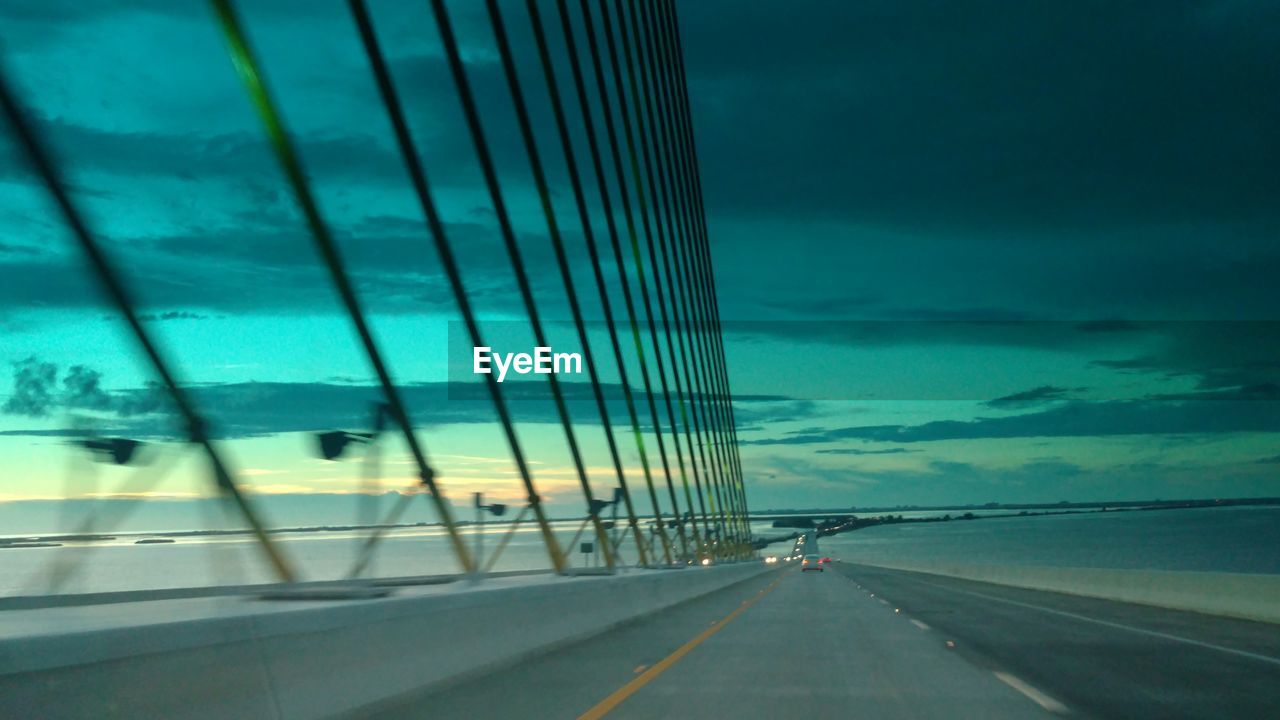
[{"x": 605, "y": 706}]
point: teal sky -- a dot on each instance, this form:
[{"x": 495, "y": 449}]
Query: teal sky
[{"x": 1019, "y": 253}]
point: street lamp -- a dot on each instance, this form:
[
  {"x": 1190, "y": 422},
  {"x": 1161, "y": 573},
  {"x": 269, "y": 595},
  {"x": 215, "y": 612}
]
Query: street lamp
[{"x": 495, "y": 509}]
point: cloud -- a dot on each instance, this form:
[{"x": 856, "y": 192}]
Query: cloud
[
  {"x": 13, "y": 249},
  {"x": 926, "y": 168},
  {"x": 1030, "y": 398},
  {"x": 173, "y": 315},
  {"x": 34, "y": 388},
  {"x": 36, "y": 394},
  {"x": 1219, "y": 355},
  {"x": 82, "y": 389},
  {"x": 974, "y": 118},
  {"x": 753, "y": 411},
  {"x": 272, "y": 266},
  {"x": 856, "y": 451},
  {"x": 195, "y": 155},
  {"x": 1076, "y": 419},
  {"x": 252, "y": 409},
  {"x": 987, "y": 327}
]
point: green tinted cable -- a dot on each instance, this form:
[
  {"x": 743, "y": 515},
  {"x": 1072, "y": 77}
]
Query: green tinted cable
[
  {"x": 248, "y": 69},
  {"x": 638, "y": 177},
  {"x": 675, "y": 280},
  {"x": 116, "y": 291},
  {"x": 672, "y": 28}
]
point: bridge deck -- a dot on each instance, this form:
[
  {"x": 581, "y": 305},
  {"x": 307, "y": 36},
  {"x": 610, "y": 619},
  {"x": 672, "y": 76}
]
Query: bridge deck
[{"x": 869, "y": 642}]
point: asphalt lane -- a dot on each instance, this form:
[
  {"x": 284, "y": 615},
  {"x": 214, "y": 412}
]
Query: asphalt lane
[
  {"x": 1098, "y": 658},
  {"x": 817, "y": 648},
  {"x": 782, "y": 645},
  {"x": 569, "y": 681}
]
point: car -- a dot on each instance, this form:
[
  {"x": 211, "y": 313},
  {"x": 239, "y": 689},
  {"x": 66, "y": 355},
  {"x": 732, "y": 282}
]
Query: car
[
  {"x": 811, "y": 562},
  {"x": 825, "y": 560},
  {"x": 771, "y": 559}
]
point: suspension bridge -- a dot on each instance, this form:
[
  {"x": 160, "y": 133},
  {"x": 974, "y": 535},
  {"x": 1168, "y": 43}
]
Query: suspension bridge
[{"x": 671, "y": 610}]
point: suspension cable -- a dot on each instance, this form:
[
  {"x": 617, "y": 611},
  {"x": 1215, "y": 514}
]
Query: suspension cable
[
  {"x": 607, "y": 207},
  {"x": 504, "y": 221},
  {"x": 638, "y": 184},
  {"x": 641, "y": 200},
  {"x": 680, "y": 394},
  {"x": 581, "y": 203},
  {"x": 634, "y": 164},
  {"x": 672, "y": 30},
  {"x": 249, "y": 70},
  {"x": 619, "y": 256},
  {"x": 664, "y": 124},
  {"x": 435, "y": 224},
  {"x": 713, "y": 474},
  {"x": 668, "y": 208},
  {"x": 562, "y": 260},
  {"x": 196, "y": 428}
]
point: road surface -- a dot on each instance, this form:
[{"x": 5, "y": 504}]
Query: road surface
[
  {"x": 781, "y": 646},
  {"x": 859, "y": 641},
  {"x": 1098, "y": 658}
]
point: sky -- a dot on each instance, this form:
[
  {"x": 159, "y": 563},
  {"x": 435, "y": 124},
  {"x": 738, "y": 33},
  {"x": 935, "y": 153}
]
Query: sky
[{"x": 964, "y": 253}]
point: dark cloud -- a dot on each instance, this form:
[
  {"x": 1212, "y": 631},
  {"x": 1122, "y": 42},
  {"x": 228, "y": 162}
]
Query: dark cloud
[
  {"x": 141, "y": 155},
  {"x": 34, "y": 388},
  {"x": 1269, "y": 392},
  {"x": 1030, "y": 398},
  {"x": 251, "y": 409},
  {"x": 173, "y": 315},
  {"x": 36, "y": 393},
  {"x": 1064, "y": 163},
  {"x": 856, "y": 451},
  {"x": 991, "y": 330},
  {"x": 82, "y": 390},
  {"x": 1217, "y": 354},
  {"x": 952, "y": 173},
  {"x": 989, "y": 115},
  {"x": 784, "y": 440},
  {"x": 886, "y": 117},
  {"x": 758, "y": 411},
  {"x": 1076, "y": 419},
  {"x": 274, "y": 267},
  {"x": 13, "y": 249}
]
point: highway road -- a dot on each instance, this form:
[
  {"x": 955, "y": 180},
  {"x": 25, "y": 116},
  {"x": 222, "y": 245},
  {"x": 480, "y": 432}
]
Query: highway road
[
  {"x": 780, "y": 646},
  {"x": 859, "y": 641},
  {"x": 1097, "y": 658}
]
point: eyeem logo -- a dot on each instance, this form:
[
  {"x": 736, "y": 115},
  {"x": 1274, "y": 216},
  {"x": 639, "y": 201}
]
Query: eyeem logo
[{"x": 541, "y": 362}]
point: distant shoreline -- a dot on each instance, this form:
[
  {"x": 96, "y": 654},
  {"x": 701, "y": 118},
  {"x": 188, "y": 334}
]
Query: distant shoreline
[
  {"x": 826, "y": 524},
  {"x": 1061, "y": 505},
  {"x": 832, "y": 517}
]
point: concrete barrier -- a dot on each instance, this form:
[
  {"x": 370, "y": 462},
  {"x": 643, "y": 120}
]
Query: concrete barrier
[
  {"x": 1241, "y": 595},
  {"x": 246, "y": 659}
]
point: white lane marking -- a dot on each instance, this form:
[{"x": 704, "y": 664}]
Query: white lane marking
[
  {"x": 1117, "y": 626},
  {"x": 919, "y": 624},
  {"x": 1035, "y": 695},
  {"x": 883, "y": 601}
]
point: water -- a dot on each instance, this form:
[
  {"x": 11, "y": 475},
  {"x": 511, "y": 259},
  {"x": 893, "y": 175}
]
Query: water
[
  {"x": 1244, "y": 539},
  {"x": 237, "y": 559},
  {"x": 1238, "y": 539}
]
